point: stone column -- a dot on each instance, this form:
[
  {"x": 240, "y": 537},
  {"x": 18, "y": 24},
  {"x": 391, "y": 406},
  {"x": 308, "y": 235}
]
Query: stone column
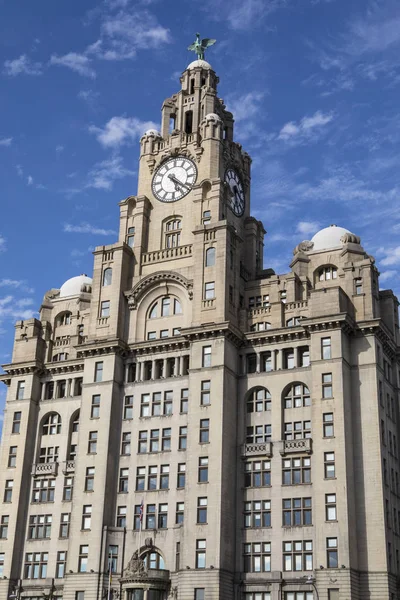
[
  {"x": 295, "y": 357},
  {"x": 258, "y": 362},
  {"x": 279, "y": 362},
  {"x": 164, "y": 369},
  {"x": 176, "y": 368},
  {"x": 43, "y": 391},
  {"x": 273, "y": 360}
]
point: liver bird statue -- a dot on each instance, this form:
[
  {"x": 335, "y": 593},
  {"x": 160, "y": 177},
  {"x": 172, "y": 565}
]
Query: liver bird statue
[{"x": 199, "y": 46}]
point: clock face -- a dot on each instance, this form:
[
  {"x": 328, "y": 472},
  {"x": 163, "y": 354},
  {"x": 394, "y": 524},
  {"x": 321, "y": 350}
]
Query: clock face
[
  {"x": 174, "y": 179},
  {"x": 237, "y": 192}
]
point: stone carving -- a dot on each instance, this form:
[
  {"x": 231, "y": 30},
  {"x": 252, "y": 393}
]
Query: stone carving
[
  {"x": 148, "y": 542},
  {"x": 173, "y": 592},
  {"x": 135, "y": 566},
  {"x": 149, "y": 281},
  {"x": 304, "y": 246},
  {"x": 350, "y": 238}
]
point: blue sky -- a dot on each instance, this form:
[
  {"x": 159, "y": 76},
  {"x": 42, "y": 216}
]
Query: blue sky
[{"x": 313, "y": 85}]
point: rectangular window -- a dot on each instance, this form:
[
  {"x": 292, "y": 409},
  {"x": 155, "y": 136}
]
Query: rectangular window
[
  {"x": 206, "y": 356},
  {"x": 257, "y": 514},
  {"x": 152, "y": 478},
  {"x": 209, "y": 290},
  {"x": 257, "y": 473},
  {"x": 64, "y": 524},
  {"x": 140, "y": 478},
  {"x": 326, "y": 350},
  {"x": 98, "y": 372},
  {"x": 182, "y": 444},
  {"x": 328, "y": 424},
  {"x": 1, "y": 564},
  {"x": 258, "y": 434},
  {"x": 297, "y": 430},
  {"x": 137, "y": 517},
  {"x": 16, "y": 424},
  {"x": 155, "y": 405},
  {"x": 123, "y": 480},
  {"x": 12, "y": 456},
  {"x": 203, "y": 469},
  {"x": 297, "y": 556},
  {"x": 166, "y": 439},
  {"x": 79, "y": 595},
  {"x": 83, "y": 558},
  {"x": 95, "y": 409},
  {"x": 152, "y": 335},
  {"x": 298, "y": 596},
  {"x": 121, "y": 516},
  {"x": 145, "y": 405},
  {"x": 205, "y": 393},
  {"x": 330, "y": 507},
  {"x": 36, "y": 565},
  {"x": 8, "y": 490},
  {"x": 162, "y": 516},
  {"x": 257, "y": 557},
  {"x": 151, "y": 516},
  {"x": 142, "y": 444},
  {"x": 333, "y": 594},
  {"x": 204, "y": 437},
  {"x": 92, "y": 443},
  {"x": 68, "y": 488},
  {"x": 49, "y": 454},
  {"x": 105, "y": 309},
  {"x": 184, "y": 401},
  {"x": 329, "y": 465},
  {"x": 128, "y": 407},
  {"x": 358, "y": 286},
  {"x": 4, "y": 527},
  {"x": 39, "y": 527},
  {"x": 126, "y": 443},
  {"x": 130, "y": 240},
  {"x": 179, "y": 515},
  {"x": 87, "y": 516},
  {"x": 199, "y": 594},
  {"x": 202, "y": 510},
  {"x": 296, "y": 512},
  {"x": 327, "y": 385},
  {"x": 155, "y": 440},
  {"x": 164, "y": 477},
  {"x": 167, "y": 407},
  {"x": 201, "y": 554},
  {"x": 20, "y": 390},
  {"x": 296, "y": 471},
  {"x": 332, "y": 553},
  {"x": 181, "y": 479},
  {"x": 60, "y": 564},
  {"x": 43, "y": 490},
  {"x": 164, "y": 333}
]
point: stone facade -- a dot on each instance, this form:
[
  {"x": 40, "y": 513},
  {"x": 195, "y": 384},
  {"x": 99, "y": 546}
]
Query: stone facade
[{"x": 194, "y": 423}]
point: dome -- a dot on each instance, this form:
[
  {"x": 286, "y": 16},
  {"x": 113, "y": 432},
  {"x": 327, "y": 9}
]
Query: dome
[
  {"x": 199, "y": 63},
  {"x": 152, "y": 133},
  {"x": 212, "y": 117},
  {"x": 329, "y": 237},
  {"x": 75, "y": 286}
]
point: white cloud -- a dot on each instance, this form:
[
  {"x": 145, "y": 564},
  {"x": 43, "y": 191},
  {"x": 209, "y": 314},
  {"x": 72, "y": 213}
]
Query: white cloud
[
  {"x": 385, "y": 275},
  {"x": 79, "y": 63},
  {"x": 392, "y": 257},
  {"x": 30, "y": 180},
  {"x": 306, "y": 128},
  {"x": 121, "y": 130},
  {"x": 20, "y": 171},
  {"x": 12, "y": 308},
  {"x": 77, "y": 253},
  {"x": 104, "y": 173},
  {"x": 306, "y": 227},
  {"x": 5, "y": 141},
  {"x": 2, "y": 243},
  {"x": 246, "y": 110},
  {"x": 243, "y": 14},
  {"x": 59, "y": 149},
  {"x": 87, "y": 228},
  {"x": 22, "y": 65},
  {"x": 16, "y": 284}
]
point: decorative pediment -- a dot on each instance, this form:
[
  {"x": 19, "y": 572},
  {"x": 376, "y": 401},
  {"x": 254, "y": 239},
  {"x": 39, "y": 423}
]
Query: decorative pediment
[{"x": 148, "y": 282}]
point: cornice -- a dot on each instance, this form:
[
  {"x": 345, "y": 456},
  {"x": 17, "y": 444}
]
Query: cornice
[{"x": 101, "y": 347}]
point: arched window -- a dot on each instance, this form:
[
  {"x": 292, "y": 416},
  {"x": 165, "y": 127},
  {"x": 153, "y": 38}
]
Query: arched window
[
  {"x": 153, "y": 560},
  {"x": 296, "y": 396},
  {"x": 172, "y": 233},
  {"x": 107, "y": 276},
  {"x": 263, "y": 326},
  {"x": 165, "y": 307},
  {"x": 210, "y": 257},
  {"x": 52, "y": 424},
  {"x": 64, "y": 318},
  {"x": 326, "y": 273},
  {"x": 293, "y": 321},
  {"x": 259, "y": 401}
]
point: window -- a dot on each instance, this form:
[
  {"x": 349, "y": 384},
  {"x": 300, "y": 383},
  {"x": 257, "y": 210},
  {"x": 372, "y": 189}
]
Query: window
[
  {"x": 138, "y": 517},
  {"x": 299, "y": 596},
  {"x": 8, "y": 489},
  {"x": 258, "y": 434},
  {"x": 89, "y": 479},
  {"x": 107, "y": 276},
  {"x": 128, "y": 407},
  {"x": 98, "y": 372},
  {"x": 173, "y": 233},
  {"x": 333, "y": 594},
  {"x": 12, "y": 456},
  {"x": 151, "y": 516},
  {"x": 297, "y": 396},
  {"x": 153, "y": 560},
  {"x": 121, "y": 516},
  {"x": 261, "y": 326},
  {"x": 206, "y": 217},
  {"x": 257, "y": 473},
  {"x": 20, "y": 390},
  {"x": 145, "y": 405},
  {"x": 206, "y": 356},
  {"x": 79, "y": 595},
  {"x": 39, "y": 527},
  {"x": 95, "y": 410},
  {"x": 152, "y": 478},
  {"x": 257, "y": 557},
  {"x": 332, "y": 553},
  {"x": 199, "y": 594},
  {"x": 142, "y": 445},
  {"x": 327, "y": 273},
  {"x": 179, "y": 514},
  {"x": 123, "y": 480},
  {"x": 283, "y": 296},
  {"x": 49, "y": 454},
  {"x": 126, "y": 443},
  {"x": 330, "y": 507},
  {"x": 293, "y": 322},
  {"x": 64, "y": 318},
  {"x": 87, "y": 516},
  {"x": 36, "y": 565},
  {"x": 162, "y": 516},
  {"x": 210, "y": 257},
  {"x": 52, "y": 424},
  {"x": 72, "y": 452},
  {"x": 327, "y": 385},
  {"x": 92, "y": 444},
  {"x": 201, "y": 510},
  {"x": 167, "y": 408},
  {"x": 209, "y": 290},
  {"x": 130, "y": 240},
  {"x": 358, "y": 286},
  {"x": 205, "y": 393},
  {"x": 184, "y": 401},
  {"x": 43, "y": 490},
  {"x": 181, "y": 479},
  {"x": 257, "y": 513},
  {"x": 68, "y": 488},
  {"x": 60, "y": 564},
  {"x": 297, "y": 430},
  {"x": 140, "y": 478},
  {"x": 154, "y": 440},
  {"x": 83, "y": 559},
  {"x": 200, "y": 554},
  {"x": 1, "y": 564},
  {"x": 297, "y": 556},
  {"x": 296, "y": 471},
  {"x": 259, "y": 401},
  {"x": 165, "y": 307},
  {"x": 112, "y": 558},
  {"x": 204, "y": 437},
  {"x": 4, "y": 527},
  {"x": 203, "y": 469},
  {"x": 329, "y": 465},
  {"x": 152, "y": 335},
  {"x": 182, "y": 444},
  {"x": 16, "y": 424},
  {"x": 64, "y": 524},
  {"x": 326, "y": 349},
  {"x": 296, "y": 512},
  {"x": 328, "y": 426},
  {"x": 105, "y": 309}
]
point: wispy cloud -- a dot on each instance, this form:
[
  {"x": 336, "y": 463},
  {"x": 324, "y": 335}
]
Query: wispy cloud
[
  {"x": 87, "y": 228},
  {"x": 80, "y": 63},
  {"x": 307, "y": 128},
  {"x": 29, "y": 180},
  {"x": 243, "y": 14},
  {"x": 391, "y": 257},
  {"x": 104, "y": 173},
  {"x": 246, "y": 112},
  {"x": 307, "y": 227},
  {"x": 121, "y": 130},
  {"x": 22, "y": 65},
  {"x": 6, "y": 141},
  {"x": 12, "y": 308},
  {"x": 59, "y": 149},
  {"x": 2, "y": 243},
  {"x": 387, "y": 275},
  {"x": 18, "y": 284}
]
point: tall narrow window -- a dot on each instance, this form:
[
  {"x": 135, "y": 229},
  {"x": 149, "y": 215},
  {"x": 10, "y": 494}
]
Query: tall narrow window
[
  {"x": 130, "y": 240},
  {"x": 181, "y": 479},
  {"x": 332, "y": 553},
  {"x": 329, "y": 465},
  {"x": 327, "y": 385},
  {"x": 328, "y": 424},
  {"x": 107, "y": 276},
  {"x": 209, "y": 290},
  {"x": 200, "y": 554},
  {"x": 173, "y": 233},
  {"x": 89, "y": 479},
  {"x": 358, "y": 286},
  {"x": 326, "y": 352},
  {"x": 95, "y": 409},
  {"x": 330, "y": 507},
  {"x": 210, "y": 257},
  {"x": 206, "y": 356},
  {"x": 98, "y": 372},
  {"x": 128, "y": 407},
  {"x": 105, "y": 309},
  {"x": 188, "y": 121},
  {"x": 20, "y": 390},
  {"x": 16, "y": 424},
  {"x": 83, "y": 559}
]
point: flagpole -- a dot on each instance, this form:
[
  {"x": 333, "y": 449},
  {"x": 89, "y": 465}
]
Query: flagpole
[{"x": 109, "y": 575}]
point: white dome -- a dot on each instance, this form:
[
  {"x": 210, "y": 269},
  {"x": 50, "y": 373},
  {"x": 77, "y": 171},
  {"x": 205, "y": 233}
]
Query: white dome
[
  {"x": 199, "y": 63},
  {"x": 75, "y": 286},
  {"x": 328, "y": 238}
]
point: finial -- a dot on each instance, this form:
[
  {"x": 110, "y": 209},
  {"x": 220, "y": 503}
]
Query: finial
[{"x": 199, "y": 46}]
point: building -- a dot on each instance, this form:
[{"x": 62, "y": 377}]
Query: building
[{"x": 193, "y": 423}]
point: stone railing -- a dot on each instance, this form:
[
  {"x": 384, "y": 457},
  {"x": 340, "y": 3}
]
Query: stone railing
[
  {"x": 258, "y": 312},
  {"x": 63, "y": 342},
  {"x": 293, "y": 446},
  {"x": 208, "y": 303},
  {"x": 44, "y": 469},
  {"x": 264, "y": 449},
  {"x": 102, "y": 321},
  {"x": 296, "y": 305},
  {"x": 69, "y": 466},
  {"x": 162, "y": 576},
  {"x": 166, "y": 254}
]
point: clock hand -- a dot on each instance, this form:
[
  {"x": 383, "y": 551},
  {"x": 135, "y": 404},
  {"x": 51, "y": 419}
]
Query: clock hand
[{"x": 177, "y": 182}]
